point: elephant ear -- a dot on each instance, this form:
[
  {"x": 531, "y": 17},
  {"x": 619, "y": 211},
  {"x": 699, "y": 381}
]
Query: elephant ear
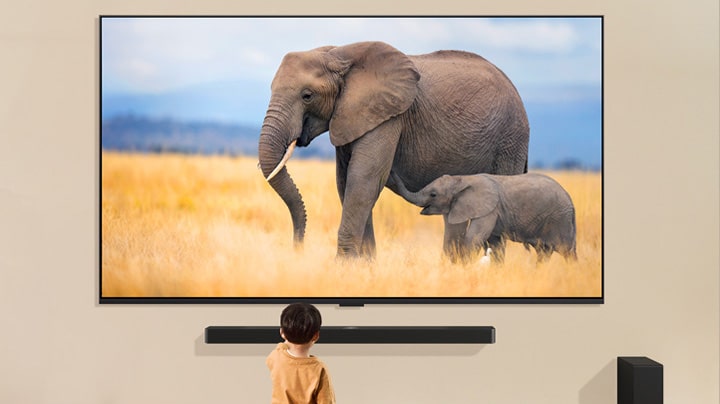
[
  {"x": 475, "y": 200},
  {"x": 380, "y": 84}
]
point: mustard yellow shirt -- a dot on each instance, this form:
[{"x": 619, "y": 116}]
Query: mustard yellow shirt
[{"x": 298, "y": 380}]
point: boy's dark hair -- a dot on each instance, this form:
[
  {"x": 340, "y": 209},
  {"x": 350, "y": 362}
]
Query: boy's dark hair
[{"x": 300, "y": 322}]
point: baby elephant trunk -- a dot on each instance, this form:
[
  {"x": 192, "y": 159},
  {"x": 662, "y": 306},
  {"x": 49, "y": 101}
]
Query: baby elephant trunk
[{"x": 413, "y": 197}]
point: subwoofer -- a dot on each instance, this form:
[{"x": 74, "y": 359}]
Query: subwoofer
[{"x": 639, "y": 380}]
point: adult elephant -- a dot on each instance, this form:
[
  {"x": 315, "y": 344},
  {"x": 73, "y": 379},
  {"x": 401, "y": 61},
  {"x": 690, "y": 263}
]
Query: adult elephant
[{"x": 447, "y": 112}]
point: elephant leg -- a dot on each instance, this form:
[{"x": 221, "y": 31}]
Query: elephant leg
[
  {"x": 544, "y": 252},
  {"x": 479, "y": 236},
  {"x": 479, "y": 231},
  {"x": 497, "y": 243},
  {"x": 369, "y": 160},
  {"x": 368, "y": 248},
  {"x": 570, "y": 254},
  {"x": 342, "y": 159},
  {"x": 454, "y": 244}
]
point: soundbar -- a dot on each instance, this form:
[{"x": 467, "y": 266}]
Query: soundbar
[{"x": 357, "y": 335}]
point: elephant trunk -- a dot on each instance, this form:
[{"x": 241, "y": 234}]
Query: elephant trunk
[
  {"x": 272, "y": 148},
  {"x": 412, "y": 197}
]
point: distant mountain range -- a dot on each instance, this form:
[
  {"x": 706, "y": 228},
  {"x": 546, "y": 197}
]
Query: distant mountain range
[
  {"x": 226, "y": 102},
  {"x": 165, "y": 135}
]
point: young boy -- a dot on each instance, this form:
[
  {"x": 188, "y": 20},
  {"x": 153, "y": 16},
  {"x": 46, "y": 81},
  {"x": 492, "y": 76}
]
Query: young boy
[{"x": 297, "y": 376}]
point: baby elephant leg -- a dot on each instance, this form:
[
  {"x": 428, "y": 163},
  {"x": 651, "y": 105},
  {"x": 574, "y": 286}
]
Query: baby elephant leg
[
  {"x": 497, "y": 244},
  {"x": 456, "y": 245},
  {"x": 478, "y": 233},
  {"x": 544, "y": 252}
]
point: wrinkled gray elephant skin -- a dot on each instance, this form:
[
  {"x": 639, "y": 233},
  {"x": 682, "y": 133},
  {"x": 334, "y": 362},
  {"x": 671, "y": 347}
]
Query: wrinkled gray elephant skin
[
  {"x": 532, "y": 209},
  {"x": 447, "y": 112}
]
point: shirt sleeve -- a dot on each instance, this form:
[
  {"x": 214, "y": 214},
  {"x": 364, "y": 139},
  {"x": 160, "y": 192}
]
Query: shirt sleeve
[
  {"x": 325, "y": 393},
  {"x": 269, "y": 361}
]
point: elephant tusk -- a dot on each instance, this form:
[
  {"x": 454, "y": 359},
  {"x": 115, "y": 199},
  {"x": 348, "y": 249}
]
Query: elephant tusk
[{"x": 284, "y": 160}]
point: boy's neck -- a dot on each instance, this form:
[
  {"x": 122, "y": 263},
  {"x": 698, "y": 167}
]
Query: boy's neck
[{"x": 298, "y": 350}]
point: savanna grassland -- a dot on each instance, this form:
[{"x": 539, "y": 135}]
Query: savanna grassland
[{"x": 198, "y": 226}]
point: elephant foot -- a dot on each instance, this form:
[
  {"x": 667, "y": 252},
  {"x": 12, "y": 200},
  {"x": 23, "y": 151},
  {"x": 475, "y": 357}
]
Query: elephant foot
[
  {"x": 344, "y": 256},
  {"x": 356, "y": 251},
  {"x": 351, "y": 248}
]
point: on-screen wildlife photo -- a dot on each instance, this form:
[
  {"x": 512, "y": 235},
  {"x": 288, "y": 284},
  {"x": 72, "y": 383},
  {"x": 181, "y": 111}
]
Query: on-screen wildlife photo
[{"x": 380, "y": 159}]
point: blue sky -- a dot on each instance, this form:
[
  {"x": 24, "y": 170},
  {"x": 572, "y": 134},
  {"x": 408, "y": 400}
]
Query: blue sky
[{"x": 552, "y": 61}]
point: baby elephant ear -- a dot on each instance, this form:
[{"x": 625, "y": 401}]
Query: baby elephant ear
[
  {"x": 380, "y": 84},
  {"x": 477, "y": 199}
]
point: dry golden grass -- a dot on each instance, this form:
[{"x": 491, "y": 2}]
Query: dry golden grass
[{"x": 191, "y": 226}]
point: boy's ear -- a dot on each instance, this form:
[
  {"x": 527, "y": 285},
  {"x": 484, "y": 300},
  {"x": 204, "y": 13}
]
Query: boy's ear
[
  {"x": 282, "y": 334},
  {"x": 316, "y": 336}
]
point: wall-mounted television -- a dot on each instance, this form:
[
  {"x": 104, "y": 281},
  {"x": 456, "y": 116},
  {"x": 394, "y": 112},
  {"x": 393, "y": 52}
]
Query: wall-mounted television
[{"x": 199, "y": 201}]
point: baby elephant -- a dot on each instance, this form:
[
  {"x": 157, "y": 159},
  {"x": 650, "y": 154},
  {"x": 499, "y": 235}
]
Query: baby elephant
[{"x": 483, "y": 211}]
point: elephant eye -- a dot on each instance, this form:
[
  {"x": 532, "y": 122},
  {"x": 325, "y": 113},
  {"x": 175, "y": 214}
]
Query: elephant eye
[
  {"x": 433, "y": 194},
  {"x": 307, "y": 95}
]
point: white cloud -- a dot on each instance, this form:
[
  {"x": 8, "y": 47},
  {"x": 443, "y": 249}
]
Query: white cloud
[
  {"x": 157, "y": 54},
  {"x": 542, "y": 36}
]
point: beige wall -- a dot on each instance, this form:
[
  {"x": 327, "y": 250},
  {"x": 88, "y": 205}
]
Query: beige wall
[{"x": 661, "y": 238}]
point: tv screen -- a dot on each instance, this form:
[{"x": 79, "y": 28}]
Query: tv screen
[{"x": 351, "y": 160}]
